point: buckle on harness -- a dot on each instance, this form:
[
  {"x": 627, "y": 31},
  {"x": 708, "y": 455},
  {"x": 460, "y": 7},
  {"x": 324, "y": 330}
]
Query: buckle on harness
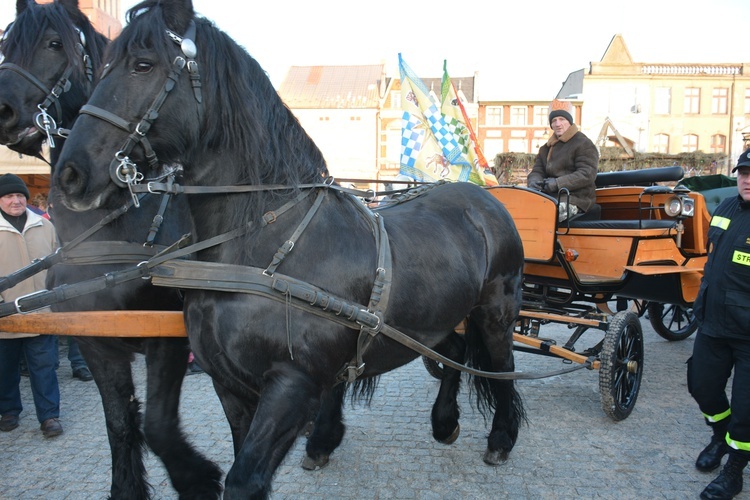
[
  {"x": 352, "y": 372},
  {"x": 32, "y": 294}
]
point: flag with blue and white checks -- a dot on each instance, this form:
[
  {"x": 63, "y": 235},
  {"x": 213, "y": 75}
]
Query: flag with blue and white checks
[{"x": 430, "y": 149}]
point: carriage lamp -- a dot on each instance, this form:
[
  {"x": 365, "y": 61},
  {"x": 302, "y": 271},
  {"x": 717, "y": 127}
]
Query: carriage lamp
[{"x": 680, "y": 205}]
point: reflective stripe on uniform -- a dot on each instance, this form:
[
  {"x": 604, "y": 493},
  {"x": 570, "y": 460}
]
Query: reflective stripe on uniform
[
  {"x": 721, "y": 222},
  {"x": 738, "y": 445},
  {"x": 718, "y": 417}
]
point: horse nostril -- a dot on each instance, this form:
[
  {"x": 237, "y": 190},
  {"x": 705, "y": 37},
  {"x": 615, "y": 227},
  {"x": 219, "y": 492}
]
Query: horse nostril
[
  {"x": 8, "y": 116},
  {"x": 69, "y": 179}
]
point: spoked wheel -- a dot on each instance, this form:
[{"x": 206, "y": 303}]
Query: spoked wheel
[
  {"x": 621, "y": 365},
  {"x": 433, "y": 367},
  {"x": 671, "y": 321}
]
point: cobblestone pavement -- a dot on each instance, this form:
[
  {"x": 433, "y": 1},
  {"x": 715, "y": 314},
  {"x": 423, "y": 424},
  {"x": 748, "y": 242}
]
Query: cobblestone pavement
[{"x": 570, "y": 448}]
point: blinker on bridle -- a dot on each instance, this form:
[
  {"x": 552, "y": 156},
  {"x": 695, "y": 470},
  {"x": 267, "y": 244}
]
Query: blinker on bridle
[
  {"x": 122, "y": 170},
  {"x": 43, "y": 120}
]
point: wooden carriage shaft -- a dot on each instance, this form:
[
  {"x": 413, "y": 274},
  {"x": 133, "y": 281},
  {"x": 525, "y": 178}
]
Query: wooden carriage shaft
[{"x": 171, "y": 324}]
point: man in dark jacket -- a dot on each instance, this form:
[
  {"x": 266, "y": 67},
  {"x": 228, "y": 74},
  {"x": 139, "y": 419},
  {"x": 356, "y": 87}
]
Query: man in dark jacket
[
  {"x": 722, "y": 344},
  {"x": 568, "y": 160}
]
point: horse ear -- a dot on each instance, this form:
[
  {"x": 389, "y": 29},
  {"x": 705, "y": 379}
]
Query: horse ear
[
  {"x": 178, "y": 14},
  {"x": 21, "y": 5}
]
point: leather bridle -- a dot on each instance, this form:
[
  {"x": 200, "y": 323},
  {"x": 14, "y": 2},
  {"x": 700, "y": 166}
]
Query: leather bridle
[
  {"x": 43, "y": 121},
  {"x": 122, "y": 170}
]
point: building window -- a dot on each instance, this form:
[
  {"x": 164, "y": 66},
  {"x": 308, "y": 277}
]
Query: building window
[
  {"x": 661, "y": 143},
  {"x": 396, "y": 100},
  {"x": 692, "y": 101},
  {"x": 518, "y": 115},
  {"x": 747, "y": 101},
  {"x": 719, "y": 101},
  {"x": 689, "y": 143},
  {"x": 541, "y": 115},
  {"x": 662, "y": 100},
  {"x": 718, "y": 143},
  {"x": 494, "y": 116}
]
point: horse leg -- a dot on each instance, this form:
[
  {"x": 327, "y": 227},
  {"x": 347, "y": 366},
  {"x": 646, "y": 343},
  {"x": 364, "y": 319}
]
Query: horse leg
[
  {"x": 122, "y": 416},
  {"x": 238, "y": 412},
  {"x": 445, "y": 411},
  {"x": 192, "y": 475},
  {"x": 328, "y": 429},
  {"x": 491, "y": 348},
  {"x": 290, "y": 398}
]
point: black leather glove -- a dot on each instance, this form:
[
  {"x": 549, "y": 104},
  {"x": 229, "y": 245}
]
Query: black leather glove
[
  {"x": 536, "y": 185},
  {"x": 550, "y": 185}
]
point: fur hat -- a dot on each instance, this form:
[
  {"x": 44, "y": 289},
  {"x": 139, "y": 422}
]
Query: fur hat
[
  {"x": 11, "y": 183},
  {"x": 743, "y": 161},
  {"x": 561, "y": 108}
]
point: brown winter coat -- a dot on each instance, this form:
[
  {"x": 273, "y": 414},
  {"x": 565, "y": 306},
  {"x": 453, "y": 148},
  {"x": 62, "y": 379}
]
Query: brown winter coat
[
  {"x": 570, "y": 161},
  {"x": 38, "y": 240}
]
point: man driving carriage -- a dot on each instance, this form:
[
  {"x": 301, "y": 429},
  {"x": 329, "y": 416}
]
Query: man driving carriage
[{"x": 569, "y": 160}]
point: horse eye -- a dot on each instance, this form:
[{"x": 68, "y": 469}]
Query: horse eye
[
  {"x": 55, "y": 45},
  {"x": 143, "y": 67}
]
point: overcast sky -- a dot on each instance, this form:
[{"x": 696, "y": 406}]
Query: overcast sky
[{"x": 520, "y": 49}]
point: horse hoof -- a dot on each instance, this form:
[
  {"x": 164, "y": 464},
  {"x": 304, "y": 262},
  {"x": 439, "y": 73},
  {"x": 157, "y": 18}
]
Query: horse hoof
[
  {"x": 495, "y": 457},
  {"x": 452, "y": 438},
  {"x": 309, "y": 463}
]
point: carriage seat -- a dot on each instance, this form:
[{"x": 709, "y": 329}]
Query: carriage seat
[{"x": 592, "y": 220}]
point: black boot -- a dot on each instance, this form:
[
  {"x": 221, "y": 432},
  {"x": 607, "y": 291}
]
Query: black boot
[
  {"x": 710, "y": 457},
  {"x": 729, "y": 482}
]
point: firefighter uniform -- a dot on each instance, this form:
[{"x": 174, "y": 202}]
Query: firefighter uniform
[
  {"x": 722, "y": 345},
  {"x": 723, "y": 311}
]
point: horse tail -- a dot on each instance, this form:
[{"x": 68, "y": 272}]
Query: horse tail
[{"x": 489, "y": 392}]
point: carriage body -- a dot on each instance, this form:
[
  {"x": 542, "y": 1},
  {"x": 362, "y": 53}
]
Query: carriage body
[{"x": 636, "y": 254}]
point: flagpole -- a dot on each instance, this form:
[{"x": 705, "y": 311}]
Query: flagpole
[{"x": 477, "y": 149}]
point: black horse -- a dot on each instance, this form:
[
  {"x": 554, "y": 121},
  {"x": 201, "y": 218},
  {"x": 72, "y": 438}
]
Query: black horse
[
  {"x": 54, "y": 46},
  {"x": 264, "y": 208}
]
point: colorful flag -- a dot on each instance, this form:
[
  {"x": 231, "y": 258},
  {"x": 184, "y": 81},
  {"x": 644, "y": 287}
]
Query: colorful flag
[
  {"x": 430, "y": 150},
  {"x": 455, "y": 115}
]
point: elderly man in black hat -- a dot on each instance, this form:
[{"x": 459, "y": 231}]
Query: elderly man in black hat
[
  {"x": 722, "y": 344},
  {"x": 25, "y": 236},
  {"x": 568, "y": 160}
]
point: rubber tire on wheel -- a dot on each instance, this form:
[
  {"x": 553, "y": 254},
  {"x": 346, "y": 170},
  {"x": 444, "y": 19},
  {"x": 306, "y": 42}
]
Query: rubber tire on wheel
[
  {"x": 621, "y": 365},
  {"x": 433, "y": 368},
  {"x": 669, "y": 327}
]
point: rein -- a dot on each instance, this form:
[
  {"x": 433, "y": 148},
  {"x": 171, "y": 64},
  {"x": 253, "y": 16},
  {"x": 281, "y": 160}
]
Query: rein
[
  {"x": 43, "y": 120},
  {"x": 164, "y": 270}
]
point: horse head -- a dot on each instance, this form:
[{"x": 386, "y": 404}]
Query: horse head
[
  {"x": 49, "y": 52},
  {"x": 166, "y": 96}
]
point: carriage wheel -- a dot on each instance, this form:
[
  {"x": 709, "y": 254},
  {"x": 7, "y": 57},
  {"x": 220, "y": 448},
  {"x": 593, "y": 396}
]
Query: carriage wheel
[
  {"x": 433, "y": 367},
  {"x": 621, "y": 365},
  {"x": 671, "y": 321}
]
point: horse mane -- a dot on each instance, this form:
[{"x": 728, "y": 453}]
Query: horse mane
[
  {"x": 24, "y": 34},
  {"x": 243, "y": 113}
]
